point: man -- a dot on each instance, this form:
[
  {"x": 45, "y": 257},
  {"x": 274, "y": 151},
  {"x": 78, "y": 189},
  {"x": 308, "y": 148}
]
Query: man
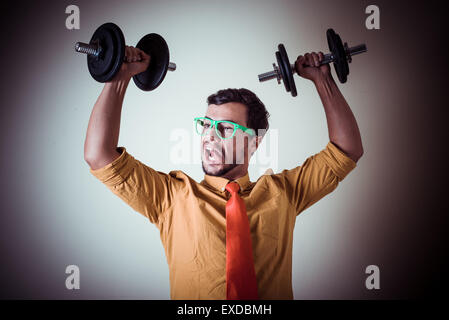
[{"x": 225, "y": 237}]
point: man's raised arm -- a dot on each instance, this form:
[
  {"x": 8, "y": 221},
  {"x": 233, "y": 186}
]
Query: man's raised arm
[
  {"x": 341, "y": 123},
  {"x": 104, "y": 123}
]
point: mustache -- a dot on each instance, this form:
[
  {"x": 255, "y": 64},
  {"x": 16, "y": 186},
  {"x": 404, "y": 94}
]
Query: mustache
[{"x": 215, "y": 148}]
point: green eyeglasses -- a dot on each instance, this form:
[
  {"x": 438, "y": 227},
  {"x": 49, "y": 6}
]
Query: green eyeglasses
[{"x": 225, "y": 129}]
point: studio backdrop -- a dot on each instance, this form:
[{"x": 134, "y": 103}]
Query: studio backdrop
[{"x": 389, "y": 212}]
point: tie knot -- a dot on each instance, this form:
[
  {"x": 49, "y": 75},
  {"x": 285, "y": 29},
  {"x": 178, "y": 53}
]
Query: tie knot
[{"x": 233, "y": 187}]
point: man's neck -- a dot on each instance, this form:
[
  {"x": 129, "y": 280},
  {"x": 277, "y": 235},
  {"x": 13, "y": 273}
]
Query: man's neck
[{"x": 235, "y": 173}]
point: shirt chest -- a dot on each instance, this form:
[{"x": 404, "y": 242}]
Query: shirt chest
[{"x": 197, "y": 229}]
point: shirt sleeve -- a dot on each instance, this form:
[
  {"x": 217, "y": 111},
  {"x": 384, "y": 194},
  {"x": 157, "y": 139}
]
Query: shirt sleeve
[
  {"x": 146, "y": 190},
  {"x": 318, "y": 176}
]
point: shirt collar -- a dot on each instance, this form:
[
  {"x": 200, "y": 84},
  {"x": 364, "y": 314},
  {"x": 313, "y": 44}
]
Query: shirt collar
[{"x": 219, "y": 183}]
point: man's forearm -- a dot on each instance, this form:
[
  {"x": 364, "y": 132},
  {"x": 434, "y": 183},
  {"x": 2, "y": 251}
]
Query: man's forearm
[
  {"x": 343, "y": 129},
  {"x": 104, "y": 125}
]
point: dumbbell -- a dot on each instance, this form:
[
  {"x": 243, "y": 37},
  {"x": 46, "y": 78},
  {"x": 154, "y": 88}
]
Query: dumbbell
[
  {"x": 106, "y": 53},
  {"x": 341, "y": 56}
]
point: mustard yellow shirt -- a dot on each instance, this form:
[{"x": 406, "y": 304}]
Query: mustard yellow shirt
[{"x": 191, "y": 218}]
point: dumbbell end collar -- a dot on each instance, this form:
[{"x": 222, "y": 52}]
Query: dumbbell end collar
[
  {"x": 171, "y": 66},
  {"x": 275, "y": 74},
  {"x": 93, "y": 49},
  {"x": 361, "y": 48}
]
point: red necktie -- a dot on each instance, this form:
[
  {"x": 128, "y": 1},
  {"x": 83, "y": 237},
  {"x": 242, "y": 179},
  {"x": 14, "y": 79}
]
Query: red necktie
[{"x": 241, "y": 283}]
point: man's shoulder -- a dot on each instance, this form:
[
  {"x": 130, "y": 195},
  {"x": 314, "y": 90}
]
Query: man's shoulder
[{"x": 179, "y": 174}]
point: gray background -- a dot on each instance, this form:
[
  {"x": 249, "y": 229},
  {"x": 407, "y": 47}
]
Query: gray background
[{"x": 389, "y": 211}]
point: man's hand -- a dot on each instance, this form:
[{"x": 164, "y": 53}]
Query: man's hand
[
  {"x": 307, "y": 66},
  {"x": 136, "y": 61}
]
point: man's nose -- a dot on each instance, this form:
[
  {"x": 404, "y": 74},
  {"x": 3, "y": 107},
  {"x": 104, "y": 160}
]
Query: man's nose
[{"x": 211, "y": 134}]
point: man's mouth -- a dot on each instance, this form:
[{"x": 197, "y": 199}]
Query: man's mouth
[{"x": 212, "y": 155}]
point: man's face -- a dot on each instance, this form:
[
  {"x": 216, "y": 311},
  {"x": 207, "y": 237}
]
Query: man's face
[{"x": 219, "y": 156}]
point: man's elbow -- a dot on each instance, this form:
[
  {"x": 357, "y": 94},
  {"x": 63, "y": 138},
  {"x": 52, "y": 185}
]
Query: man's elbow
[
  {"x": 353, "y": 151},
  {"x": 90, "y": 160},
  {"x": 94, "y": 160},
  {"x": 100, "y": 159},
  {"x": 356, "y": 155}
]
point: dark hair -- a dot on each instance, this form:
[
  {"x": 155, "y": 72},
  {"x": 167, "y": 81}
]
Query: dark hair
[{"x": 257, "y": 114}]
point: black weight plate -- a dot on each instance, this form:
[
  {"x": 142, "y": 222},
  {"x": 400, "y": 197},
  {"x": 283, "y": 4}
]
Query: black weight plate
[
  {"x": 338, "y": 51},
  {"x": 156, "y": 47},
  {"x": 282, "y": 71},
  {"x": 102, "y": 65},
  {"x": 286, "y": 70},
  {"x": 344, "y": 65},
  {"x": 112, "y": 42}
]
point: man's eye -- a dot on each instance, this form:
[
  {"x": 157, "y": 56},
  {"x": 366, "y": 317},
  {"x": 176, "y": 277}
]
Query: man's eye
[
  {"x": 229, "y": 128},
  {"x": 206, "y": 125}
]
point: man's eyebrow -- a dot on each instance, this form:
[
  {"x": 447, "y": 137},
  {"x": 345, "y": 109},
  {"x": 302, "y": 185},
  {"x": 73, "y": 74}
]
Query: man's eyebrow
[{"x": 222, "y": 120}]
